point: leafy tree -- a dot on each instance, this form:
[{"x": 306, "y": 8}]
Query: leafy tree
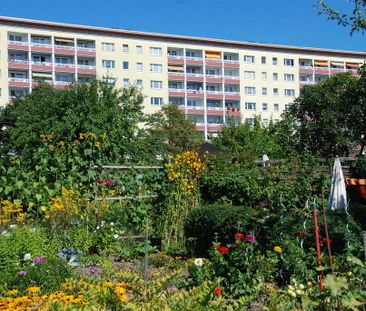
[
  {"x": 323, "y": 115},
  {"x": 355, "y": 20},
  {"x": 169, "y": 131}
]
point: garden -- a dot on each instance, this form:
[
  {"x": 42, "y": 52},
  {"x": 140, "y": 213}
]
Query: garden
[{"x": 105, "y": 208}]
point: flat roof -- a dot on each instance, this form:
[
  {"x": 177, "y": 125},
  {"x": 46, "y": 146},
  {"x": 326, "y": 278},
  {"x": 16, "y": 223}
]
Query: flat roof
[{"x": 22, "y": 22}]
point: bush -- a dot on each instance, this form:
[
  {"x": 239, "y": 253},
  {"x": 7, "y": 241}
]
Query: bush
[{"x": 216, "y": 222}]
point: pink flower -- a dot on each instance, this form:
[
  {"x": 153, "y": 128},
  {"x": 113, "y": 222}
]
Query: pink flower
[
  {"x": 22, "y": 273},
  {"x": 250, "y": 238},
  {"x": 38, "y": 260}
]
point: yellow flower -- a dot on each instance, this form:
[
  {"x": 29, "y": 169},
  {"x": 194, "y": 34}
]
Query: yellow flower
[
  {"x": 89, "y": 136},
  {"x": 12, "y": 292},
  {"x": 104, "y": 136},
  {"x": 33, "y": 289},
  {"x": 108, "y": 284},
  {"x": 97, "y": 144},
  {"x": 81, "y": 136},
  {"x": 277, "y": 249}
]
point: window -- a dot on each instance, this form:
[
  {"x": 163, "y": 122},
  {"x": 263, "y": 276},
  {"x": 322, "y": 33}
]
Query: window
[
  {"x": 264, "y": 91},
  {"x": 275, "y": 76},
  {"x": 156, "y": 68},
  {"x": 289, "y": 92},
  {"x": 249, "y": 121},
  {"x": 62, "y": 60},
  {"x": 125, "y": 65},
  {"x": 265, "y": 122},
  {"x": 274, "y": 61},
  {"x": 249, "y": 75},
  {"x": 249, "y": 90},
  {"x": 155, "y": 51},
  {"x": 287, "y": 107},
  {"x": 288, "y": 62},
  {"x": 109, "y": 80},
  {"x": 156, "y": 84},
  {"x": 276, "y": 107},
  {"x": 191, "y": 54},
  {"x": 264, "y": 76},
  {"x": 275, "y": 91},
  {"x": 139, "y": 83},
  {"x": 248, "y": 59},
  {"x": 138, "y": 49},
  {"x": 108, "y": 63},
  {"x": 156, "y": 101},
  {"x": 264, "y": 106},
  {"x": 126, "y": 82},
  {"x": 249, "y": 106},
  {"x": 263, "y": 59},
  {"x": 15, "y": 38},
  {"x": 125, "y": 48},
  {"x": 289, "y": 77},
  {"x": 107, "y": 47},
  {"x": 139, "y": 67}
]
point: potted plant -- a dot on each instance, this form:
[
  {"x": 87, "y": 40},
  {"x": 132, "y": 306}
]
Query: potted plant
[{"x": 358, "y": 173}]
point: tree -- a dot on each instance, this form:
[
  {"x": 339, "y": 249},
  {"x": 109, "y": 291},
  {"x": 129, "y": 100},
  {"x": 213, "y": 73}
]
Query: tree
[
  {"x": 356, "y": 20},
  {"x": 168, "y": 131},
  {"x": 323, "y": 115}
]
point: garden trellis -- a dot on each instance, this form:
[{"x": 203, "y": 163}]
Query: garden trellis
[{"x": 133, "y": 197}]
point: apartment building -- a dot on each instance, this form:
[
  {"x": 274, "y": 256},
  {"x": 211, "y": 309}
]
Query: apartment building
[{"x": 213, "y": 82}]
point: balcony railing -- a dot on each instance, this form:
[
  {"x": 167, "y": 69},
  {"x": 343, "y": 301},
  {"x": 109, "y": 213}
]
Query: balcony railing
[
  {"x": 307, "y": 82},
  {"x": 43, "y": 45},
  {"x": 176, "y": 56},
  {"x": 86, "y": 66},
  {"x": 232, "y": 93},
  {"x": 18, "y": 61},
  {"x": 214, "y": 92},
  {"x": 18, "y": 80},
  {"x": 22, "y": 43},
  {"x": 194, "y": 58},
  {"x": 64, "y": 47},
  {"x": 194, "y": 74},
  {"x": 62, "y": 82},
  {"x": 49, "y": 64},
  {"x": 176, "y": 90},
  {"x": 214, "y": 60},
  {"x": 90, "y": 49},
  {"x": 232, "y": 77},
  {"x": 215, "y": 108},
  {"x": 64, "y": 65},
  {"x": 214, "y": 76},
  {"x": 230, "y": 61}
]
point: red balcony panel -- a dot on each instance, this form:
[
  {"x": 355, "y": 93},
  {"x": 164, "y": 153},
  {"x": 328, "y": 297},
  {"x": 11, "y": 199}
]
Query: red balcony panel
[
  {"x": 42, "y": 49},
  {"x": 231, "y": 65},
  {"x": 196, "y": 94},
  {"x": 215, "y": 112},
  {"x": 215, "y": 127},
  {"x": 194, "y": 62},
  {"x": 62, "y": 86},
  {"x": 306, "y": 70},
  {"x": 215, "y": 96},
  {"x": 87, "y": 71},
  {"x": 173, "y": 60},
  {"x": 232, "y": 111},
  {"x": 194, "y": 78},
  {"x": 214, "y": 80},
  {"x": 18, "y": 84},
  {"x": 64, "y": 51},
  {"x": 237, "y": 97},
  {"x": 322, "y": 71},
  {"x": 200, "y": 127},
  {"x": 64, "y": 69},
  {"x": 86, "y": 53},
  {"x": 191, "y": 110},
  {"x": 176, "y": 94},
  {"x": 232, "y": 81},
  {"x": 19, "y": 47},
  {"x": 18, "y": 65},
  {"x": 213, "y": 63},
  {"x": 42, "y": 67},
  {"x": 175, "y": 77}
]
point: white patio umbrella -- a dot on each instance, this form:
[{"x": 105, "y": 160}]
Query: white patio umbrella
[{"x": 338, "y": 197}]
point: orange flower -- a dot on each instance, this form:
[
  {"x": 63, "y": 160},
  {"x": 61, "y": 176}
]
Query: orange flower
[{"x": 217, "y": 291}]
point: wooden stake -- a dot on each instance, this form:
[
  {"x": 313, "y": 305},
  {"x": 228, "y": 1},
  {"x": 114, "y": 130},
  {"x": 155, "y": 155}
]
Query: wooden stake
[{"x": 327, "y": 232}]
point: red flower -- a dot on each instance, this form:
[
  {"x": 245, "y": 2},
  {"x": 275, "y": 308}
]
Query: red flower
[
  {"x": 300, "y": 233},
  {"x": 223, "y": 250},
  {"x": 217, "y": 291},
  {"x": 250, "y": 238},
  {"x": 327, "y": 242},
  {"x": 239, "y": 235}
]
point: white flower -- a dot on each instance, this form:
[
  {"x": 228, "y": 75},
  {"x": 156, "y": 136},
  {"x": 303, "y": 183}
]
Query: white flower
[
  {"x": 12, "y": 226},
  {"x": 112, "y": 223},
  {"x": 116, "y": 236},
  {"x": 5, "y": 233},
  {"x": 198, "y": 262},
  {"x": 98, "y": 227},
  {"x": 33, "y": 229},
  {"x": 27, "y": 257}
]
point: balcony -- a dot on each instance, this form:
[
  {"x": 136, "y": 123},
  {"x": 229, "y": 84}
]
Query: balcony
[
  {"x": 86, "y": 69},
  {"x": 194, "y": 61},
  {"x": 195, "y": 93},
  {"x": 232, "y": 79},
  {"x": 321, "y": 70},
  {"x": 215, "y": 111},
  {"x": 213, "y": 62},
  {"x": 195, "y": 109},
  {"x": 334, "y": 71},
  {"x": 200, "y": 126},
  {"x": 18, "y": 63},
  {"x": 18, "y": 45},
  {"x": 176, "y": 92},
  {"x": 62, "y": 84},
  {"x": 214, "y": 94},
  {"x": 214, "y": 78},
  {"x": 19, "y": 82},
  {"x": 231, "y": 63},
  {"x": 65, "y": 68},
  {"x": 42, "y": 66},
  {"x": 175, "y": 59},
  {"x": 194, "y": 77},
  {"x": 233, "y": 111},
  {"x": 232, "y": 95},
  {"x": 41, "y": 47},
  {"x": 214, "y": 126},
  {"x": 64, "y": 49},
  {"x": 176, "y": 76},
  {"x": 306, "y": 69},
  {"x": 83, "y": 51}
]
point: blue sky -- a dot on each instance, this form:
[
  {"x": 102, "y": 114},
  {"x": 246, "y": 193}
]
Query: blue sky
[{"x": 289, "y": 22}]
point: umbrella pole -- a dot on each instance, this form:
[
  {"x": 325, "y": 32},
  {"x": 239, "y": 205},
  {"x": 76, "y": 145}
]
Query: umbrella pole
[
  {"x": 327, "y": 232},
  {"x": 317, "y": 244}
]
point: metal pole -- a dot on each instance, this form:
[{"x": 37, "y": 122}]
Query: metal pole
[{"x": 317, "y": 244}]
